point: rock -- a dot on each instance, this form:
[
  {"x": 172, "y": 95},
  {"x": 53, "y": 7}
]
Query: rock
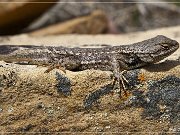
[
  {"x": 16, "y": 16},
  {"x": 36, "y": 101},
  {"x": 126, "y": 17},
  {"x": 61, "y": 12},
  {"x": 161, "y": 100},
  {"x": 95, "y": 23}
]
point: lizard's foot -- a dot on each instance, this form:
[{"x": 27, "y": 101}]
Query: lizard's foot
[
  {"x": 122, "y": 82},
  {"x": 57, "y": 66}
]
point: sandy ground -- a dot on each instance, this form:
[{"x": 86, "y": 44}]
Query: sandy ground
[{"x": 31, "y": 101}]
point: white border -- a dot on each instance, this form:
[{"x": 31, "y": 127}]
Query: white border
[
  {"x": 97, "y": 3},
  {"x": 1, "y": 2}
]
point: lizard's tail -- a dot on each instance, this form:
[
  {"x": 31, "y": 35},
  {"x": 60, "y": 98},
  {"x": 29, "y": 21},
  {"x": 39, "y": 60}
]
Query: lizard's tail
[{"x": 24, "y": 54}]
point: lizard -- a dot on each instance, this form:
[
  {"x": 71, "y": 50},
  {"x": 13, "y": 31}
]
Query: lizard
[{"x": 109, "y": 58}]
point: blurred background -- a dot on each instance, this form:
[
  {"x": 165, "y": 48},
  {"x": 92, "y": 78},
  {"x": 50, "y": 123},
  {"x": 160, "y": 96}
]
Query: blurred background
[{"x": 52, "y": 17}]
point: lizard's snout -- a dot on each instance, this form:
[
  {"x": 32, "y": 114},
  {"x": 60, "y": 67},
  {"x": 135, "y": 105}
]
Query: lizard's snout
[
  {"x": 173, "y": 45},
  {"x": 177, "y": 44},
  {"x": 174, "y": 42}
]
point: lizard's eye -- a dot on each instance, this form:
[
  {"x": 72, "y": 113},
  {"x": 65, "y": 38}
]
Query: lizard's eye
[{"x": 165, "y": 46}]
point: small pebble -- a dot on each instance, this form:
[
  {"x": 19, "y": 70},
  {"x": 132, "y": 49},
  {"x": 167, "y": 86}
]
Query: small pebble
[
  {"x": 1, "y": 109},
  {"x": 40, "y": 105},
  {"x": 105, "y": 114},
  {"x": 10, "y": 109},
  {"x": 107, "y": 127}
]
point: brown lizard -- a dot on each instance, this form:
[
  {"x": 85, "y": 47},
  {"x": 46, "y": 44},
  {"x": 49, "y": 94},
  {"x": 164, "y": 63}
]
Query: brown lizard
[{"x": 110, "y": 58}]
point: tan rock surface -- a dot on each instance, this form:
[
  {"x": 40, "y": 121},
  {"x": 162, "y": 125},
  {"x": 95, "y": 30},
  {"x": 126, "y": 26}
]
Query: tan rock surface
[{"x": 30, "y": 101}]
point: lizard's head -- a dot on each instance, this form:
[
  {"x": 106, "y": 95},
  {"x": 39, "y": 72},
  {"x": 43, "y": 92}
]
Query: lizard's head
[{"x": 156, "y": 49}]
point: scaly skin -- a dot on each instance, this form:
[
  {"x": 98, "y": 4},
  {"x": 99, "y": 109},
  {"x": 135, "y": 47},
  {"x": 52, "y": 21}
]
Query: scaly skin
[{"x": 123, "y": 57}]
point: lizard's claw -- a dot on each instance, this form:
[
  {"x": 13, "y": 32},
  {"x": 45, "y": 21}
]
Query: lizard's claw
[{"x": 122, "y": 81}]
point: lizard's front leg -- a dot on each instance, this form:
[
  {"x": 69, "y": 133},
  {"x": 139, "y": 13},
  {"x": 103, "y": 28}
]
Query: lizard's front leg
[
  {"x": 118, "y": 74},
  {"x": 66, "y": 63}
]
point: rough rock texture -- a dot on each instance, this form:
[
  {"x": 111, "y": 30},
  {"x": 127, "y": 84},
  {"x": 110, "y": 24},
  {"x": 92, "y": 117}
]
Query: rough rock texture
[
  {"x": 95, "y": 23},
  {"x": 16, "y": 15},
  {"x": 34, "y": 101}
]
